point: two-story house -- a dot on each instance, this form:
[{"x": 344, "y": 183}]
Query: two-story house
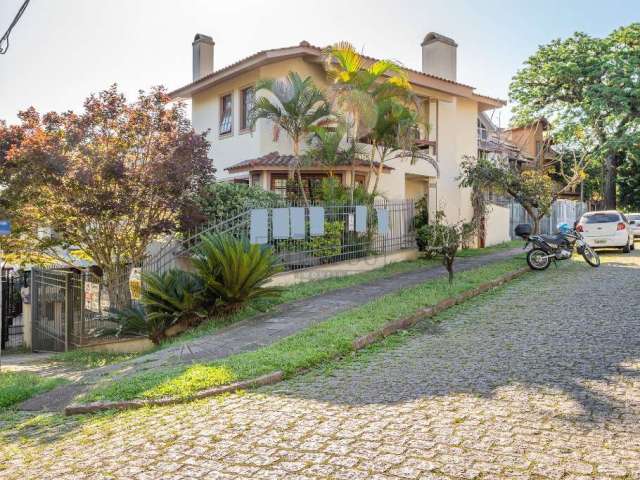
[{"x": 222, "y": 99}]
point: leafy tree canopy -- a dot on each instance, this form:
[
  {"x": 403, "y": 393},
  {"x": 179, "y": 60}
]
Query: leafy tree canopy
[
  {"x": 106, "y": 180},
  {"x": 588, "y": 83}
]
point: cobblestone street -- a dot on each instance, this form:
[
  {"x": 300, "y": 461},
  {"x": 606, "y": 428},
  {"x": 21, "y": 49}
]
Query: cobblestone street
[{"x": 538, "y": 380}]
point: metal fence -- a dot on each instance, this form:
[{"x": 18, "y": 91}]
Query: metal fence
[
  {"x": 304, "y": 236},
  {"x": 68, "y": 308},
  {"x": 562, "y": 211},
  {"x": 11, "y": 321}
]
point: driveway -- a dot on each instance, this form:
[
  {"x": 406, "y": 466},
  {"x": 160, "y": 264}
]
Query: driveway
[{"x": 538, "y": 380}]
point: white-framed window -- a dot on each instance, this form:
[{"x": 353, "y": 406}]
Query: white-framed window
[
  {"x": 247, "y": 98},
  {"x": 226, "y": 114},
  {"x": 483, "y": 132}
]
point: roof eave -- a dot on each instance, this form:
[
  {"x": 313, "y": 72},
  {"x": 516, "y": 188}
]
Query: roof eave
[
  {"x": 274, "y": 55},
  {"x": 254, "y": 61}
]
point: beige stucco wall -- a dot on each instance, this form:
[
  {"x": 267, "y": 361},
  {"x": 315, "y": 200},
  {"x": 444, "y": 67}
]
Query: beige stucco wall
[
  {"x": 456, "y": 137},
  {"x": 497, "y": 225},
  {"x": 134, "y": 345},
  {"x": 27, "y": 328}
]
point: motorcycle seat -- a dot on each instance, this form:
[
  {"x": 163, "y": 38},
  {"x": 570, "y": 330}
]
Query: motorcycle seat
[{"x": 553, "y": 239}]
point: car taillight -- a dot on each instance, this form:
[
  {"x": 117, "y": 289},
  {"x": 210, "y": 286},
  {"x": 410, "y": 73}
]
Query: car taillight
[
  {"x": 620, "y": 226},
  {"x": 579, "y": 228}
]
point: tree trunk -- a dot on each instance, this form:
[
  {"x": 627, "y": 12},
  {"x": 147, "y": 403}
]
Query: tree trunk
[
  {"x": 116, "y": 281},
  {"x": 448, "y": 264},
  {"x": 535, "y": 218},
  {"x": 610, "y": 177},
  {"x": 296, "y": 153},
  {"x": 536, "y": 224}
]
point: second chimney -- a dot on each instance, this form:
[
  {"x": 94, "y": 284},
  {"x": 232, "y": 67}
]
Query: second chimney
[
  {"x": 439, "y": 56},
  {"x": 202, "y": 56}
]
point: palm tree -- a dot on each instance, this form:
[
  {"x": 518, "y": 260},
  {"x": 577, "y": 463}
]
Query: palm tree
[
  {"x": 357, "y": 89},
  {"x": 394, "y": 135},
  {"x": 326, "y": 146},
  {"x": 293, "y": 105},
  {"x": 380, "y": 103}
]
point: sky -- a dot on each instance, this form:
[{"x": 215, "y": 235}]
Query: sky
[{"x": 62, "y": 50}]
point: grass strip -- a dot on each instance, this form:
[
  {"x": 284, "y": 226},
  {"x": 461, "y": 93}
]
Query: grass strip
[
  {"x": 308, "y": 348},
  {"x": 16, "y": 387},
  {"x": 88, "y": 359},
  {"x": 319, "y": 287}
]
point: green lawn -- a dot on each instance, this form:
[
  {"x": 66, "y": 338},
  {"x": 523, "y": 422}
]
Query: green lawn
[
  {"x": 308, "y": 348},
  {"x": 318, "y": 287},
  {"x": 87, "y": 359},
  {"x": 15, "y": 387}
]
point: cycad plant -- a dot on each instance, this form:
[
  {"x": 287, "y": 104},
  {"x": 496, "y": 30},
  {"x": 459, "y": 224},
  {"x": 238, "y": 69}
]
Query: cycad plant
[
  {"x": 233, "y": 270},
  {"x": 294, "y": 105},
  {"x": 174, "y": 294}
]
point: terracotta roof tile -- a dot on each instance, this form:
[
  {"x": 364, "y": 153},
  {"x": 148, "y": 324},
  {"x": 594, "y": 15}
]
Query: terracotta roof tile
[{"x": 274, "y": 159}]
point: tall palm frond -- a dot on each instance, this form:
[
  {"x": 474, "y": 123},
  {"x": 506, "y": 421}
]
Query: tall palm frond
[
  {"x": 294, "y": 105},
  {"x": 298, "y": 104}
]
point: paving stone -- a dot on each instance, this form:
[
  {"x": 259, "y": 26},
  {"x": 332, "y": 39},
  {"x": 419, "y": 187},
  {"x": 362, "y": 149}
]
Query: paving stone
[{"x": 539, "y": 380}]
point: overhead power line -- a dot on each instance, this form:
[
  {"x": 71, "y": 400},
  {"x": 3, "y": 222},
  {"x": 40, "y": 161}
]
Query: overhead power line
[{"x": 4, "y": 41}]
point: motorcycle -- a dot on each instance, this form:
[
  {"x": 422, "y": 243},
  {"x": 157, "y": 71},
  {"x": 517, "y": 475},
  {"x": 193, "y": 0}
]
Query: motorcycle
[{"x": 548, "y": 248}]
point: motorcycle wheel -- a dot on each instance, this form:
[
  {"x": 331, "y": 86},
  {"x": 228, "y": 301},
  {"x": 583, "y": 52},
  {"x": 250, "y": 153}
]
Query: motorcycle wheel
[
  {"x": 537, "y": 259},
  {"x": 590, "y": 256}
]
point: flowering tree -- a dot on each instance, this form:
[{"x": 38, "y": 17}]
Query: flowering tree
[{"x": 106, "y": 180}]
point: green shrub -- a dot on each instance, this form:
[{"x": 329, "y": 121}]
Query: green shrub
[
  {"x": 331, "y": 190},
  {"x": 167, "y": 298},
  {"x": 233, "y": 270},
  {"x": 422, "y": 212},
  {"x": 329, "y": 244},
  {"x": 172, "y": 296},
  {"x": 217, "y": 201}
]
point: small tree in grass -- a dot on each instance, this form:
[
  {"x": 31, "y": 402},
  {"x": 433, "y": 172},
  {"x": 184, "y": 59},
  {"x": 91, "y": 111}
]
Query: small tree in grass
[{"x": 440, "y": 238}]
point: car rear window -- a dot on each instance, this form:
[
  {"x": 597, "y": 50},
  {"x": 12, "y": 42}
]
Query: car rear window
[
  {"x": 601, "y": 218},
  {"x": 634, "y": 217}
]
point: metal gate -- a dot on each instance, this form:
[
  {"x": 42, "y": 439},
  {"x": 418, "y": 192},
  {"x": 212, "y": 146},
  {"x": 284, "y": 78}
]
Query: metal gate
[
  {"x": 11, "y": 335},
  {"x": 55, "y": 307}
]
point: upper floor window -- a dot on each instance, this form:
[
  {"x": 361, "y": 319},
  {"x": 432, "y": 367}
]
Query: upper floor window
[
  {"x": 226, "y": 114},
  {"x": 247, "y": 97},
  {"x": 482, "y": 131}
]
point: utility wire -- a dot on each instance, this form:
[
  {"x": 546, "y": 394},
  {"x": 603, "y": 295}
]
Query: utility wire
[{"x": 4, "y": 41}]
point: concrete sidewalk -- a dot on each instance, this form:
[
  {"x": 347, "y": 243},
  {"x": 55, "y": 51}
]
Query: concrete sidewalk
[{"x": 259, "y": 331}]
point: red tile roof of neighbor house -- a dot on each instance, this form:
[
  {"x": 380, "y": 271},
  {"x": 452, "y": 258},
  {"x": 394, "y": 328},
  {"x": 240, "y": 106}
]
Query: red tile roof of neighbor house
[
  {"x": 306, "y": 49},
  {"x": 275, "y": 160}
]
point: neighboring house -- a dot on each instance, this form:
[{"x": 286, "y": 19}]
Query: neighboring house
[
  {"x": 521, "y": 146},
  {"x": 221, "y": 101},
  {"x": 524, "y": 146}
]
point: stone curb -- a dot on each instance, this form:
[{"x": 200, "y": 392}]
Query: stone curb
[
  {"x": 275, "y": 377},
  {"x": 267, "y": 379},
  {"x": 428, "y": 312}
]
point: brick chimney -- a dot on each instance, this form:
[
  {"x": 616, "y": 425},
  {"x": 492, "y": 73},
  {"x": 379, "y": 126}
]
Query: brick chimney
[
  {"x": 202, "y": 56},
  {"x": 439, "y": 56}
]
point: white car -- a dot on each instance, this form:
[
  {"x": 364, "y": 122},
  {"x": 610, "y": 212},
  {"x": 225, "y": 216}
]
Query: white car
[
  {"x": 606, "y": 229},
  {"x": 634, "y": 222}
]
